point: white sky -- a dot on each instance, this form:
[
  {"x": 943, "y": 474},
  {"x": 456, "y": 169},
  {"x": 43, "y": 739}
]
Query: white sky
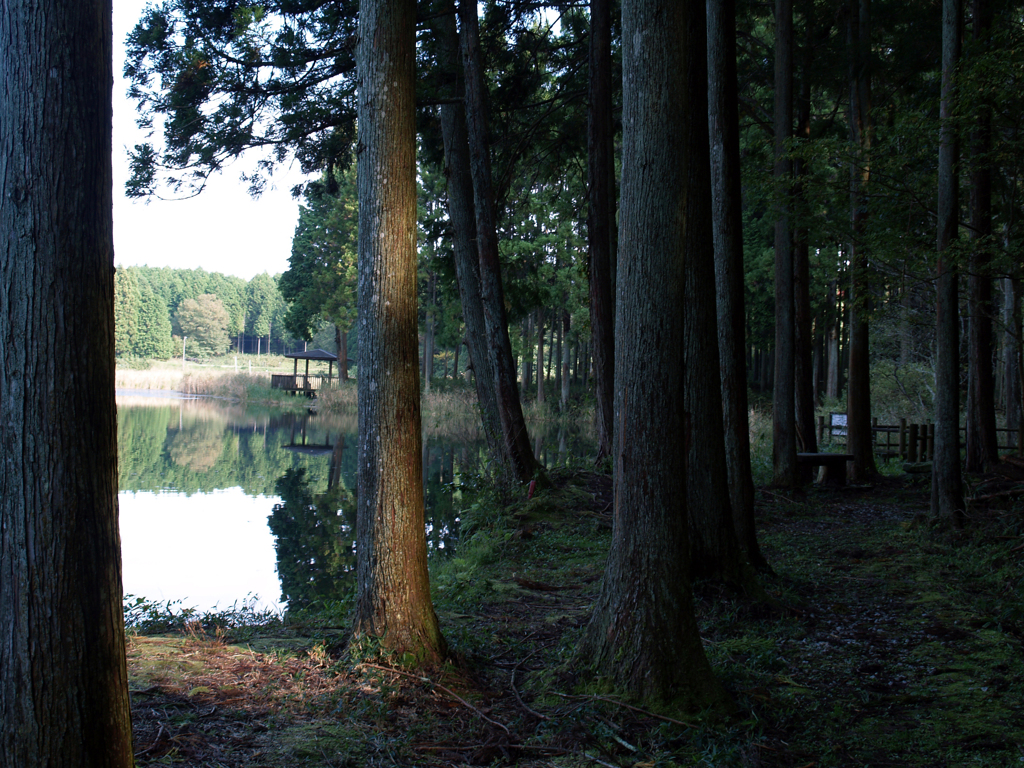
[{"x": 221, "y": 230}]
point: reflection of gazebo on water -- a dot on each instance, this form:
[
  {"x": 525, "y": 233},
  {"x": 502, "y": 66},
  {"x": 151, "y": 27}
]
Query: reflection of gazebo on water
[
  {"x": 300, "y": 443},
  {"x": 307, "y": 383}
]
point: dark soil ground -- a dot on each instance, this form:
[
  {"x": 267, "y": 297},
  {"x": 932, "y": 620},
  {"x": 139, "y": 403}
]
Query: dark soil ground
[{"x": 897, "y": 643}]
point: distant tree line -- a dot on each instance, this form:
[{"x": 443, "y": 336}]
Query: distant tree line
[{"x": 156, "y": 308}]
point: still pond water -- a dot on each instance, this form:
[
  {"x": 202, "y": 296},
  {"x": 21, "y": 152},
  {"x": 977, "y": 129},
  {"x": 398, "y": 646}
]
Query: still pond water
[{"x": 222, "y": 504}]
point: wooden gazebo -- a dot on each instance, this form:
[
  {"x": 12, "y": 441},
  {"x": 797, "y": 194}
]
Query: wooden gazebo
[{"x": 306, "y": 383}]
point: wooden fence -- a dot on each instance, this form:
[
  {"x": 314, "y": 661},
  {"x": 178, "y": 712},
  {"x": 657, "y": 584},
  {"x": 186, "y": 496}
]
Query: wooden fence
[
  {"x": 908, "y": 442},
  {"x": 308, "y": 384}
]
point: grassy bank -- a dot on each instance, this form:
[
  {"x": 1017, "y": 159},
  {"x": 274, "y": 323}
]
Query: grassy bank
[{"x": 898, "y": 644}]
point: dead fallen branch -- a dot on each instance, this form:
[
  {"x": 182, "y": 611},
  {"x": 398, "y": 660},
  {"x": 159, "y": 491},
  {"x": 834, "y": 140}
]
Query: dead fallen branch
[
  {"x": 627, "y": 706},
  {"x": 449, "y": 691}
]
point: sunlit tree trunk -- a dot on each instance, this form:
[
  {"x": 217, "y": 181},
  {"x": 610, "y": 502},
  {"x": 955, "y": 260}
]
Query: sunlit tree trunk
[
  {"x": 727, "y": 221},
  {"x": 947, "y": 482},
  {"x": 393, "y": 604},
  {"x": 601, "y": 218},
  {"x": 642, "y": 635},
  {"x": 63, "y": 677}
]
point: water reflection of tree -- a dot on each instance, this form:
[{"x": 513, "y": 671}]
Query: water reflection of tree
[
  {"x": 314, "y": 541},
  {"x": 198, "y": 447}
]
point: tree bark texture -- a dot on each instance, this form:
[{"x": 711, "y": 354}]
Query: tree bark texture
[
  {"x": 463, "y": 219},
  {"x": 642, "y": 635},
  {"x": 393, "y": 602},
  {"x": 727, "y": 222},
  {"x": 784, "y": 447},
  {"x": 601, "y": 219},
  {"x": 858, "y": 391},
  {"x": 510, "y": 409},
  {"x": 63, "y": 677},
  {"x": 982, "y": 441},
  {"x": 714, "y": 548},
  {"x": 947, "y": 482}
]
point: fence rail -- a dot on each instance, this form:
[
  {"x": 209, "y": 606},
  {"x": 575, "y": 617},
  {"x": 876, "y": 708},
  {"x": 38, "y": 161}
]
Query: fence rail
[
  {"x": 908, "y": 442},
  {"x": 308, "y": 384}
]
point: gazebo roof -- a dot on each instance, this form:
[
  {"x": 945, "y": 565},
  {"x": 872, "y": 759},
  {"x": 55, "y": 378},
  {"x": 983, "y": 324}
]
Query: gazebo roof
[{"x": 313, "y": 354}]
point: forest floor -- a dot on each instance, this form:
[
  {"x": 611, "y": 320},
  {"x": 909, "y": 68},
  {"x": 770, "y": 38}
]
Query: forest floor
[{"x": 897, "y": 644}]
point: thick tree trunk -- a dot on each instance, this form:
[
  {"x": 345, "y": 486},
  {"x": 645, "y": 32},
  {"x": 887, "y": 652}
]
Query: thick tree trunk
[
  {"x": 858, "y": 392},
  {"x": 784, "y": 446},
  {"x": 510, "y": 410},
  {"x": 714, "y": 548},
  {"x": 63, "y": 678},
  {"x": 463, "y": 219},
  {"x": 982, "y": 441},
  {"x": 727, "y": 222},
  {"x": 393, "y": 604},
  {"x": 947, "y": 482},
  {"x": 642, "y": 636},
  {"x": 601, "y": 218}
]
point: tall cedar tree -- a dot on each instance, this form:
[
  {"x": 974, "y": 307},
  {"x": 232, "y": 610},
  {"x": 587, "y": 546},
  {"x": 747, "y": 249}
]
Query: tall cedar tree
[
  {"x": 642, "y": 635},
  {"x": 947, "y": 483},
  {"x": 523, "y": 465},
  {"x": 462, "y": 216},
  {"x": 601, "y": 219},
  {"x": 63, "y": 677},
  {"x": 727, "y": 221},
  {"x": 714, "y": 548},
  {"x": 982, "y": 442},
  {"x": 803, "y": 342},
  {"x": 858, "y": 392},
  {"x": 393, "y": 603},
  {"x": 784, "y": 446}
]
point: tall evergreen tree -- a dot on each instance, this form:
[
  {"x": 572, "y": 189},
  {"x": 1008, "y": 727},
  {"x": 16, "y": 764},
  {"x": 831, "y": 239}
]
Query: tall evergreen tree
[
  {"x": 784, "y": 447},
  {"x": 127, "y": 299},
  {"x": 393, "y": 603},
  {"x": 642, "y": 635},
  {"x": 153, "y": 333},
  {"x": 601, "y": 219},
  {"x": 947, "y": 482},
  {"x": 727, "y": 222},
  {"x": 63, "y": 676}
]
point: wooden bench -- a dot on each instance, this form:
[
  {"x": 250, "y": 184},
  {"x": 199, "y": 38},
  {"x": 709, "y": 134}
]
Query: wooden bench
[{"x": 834, "y": 464}]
